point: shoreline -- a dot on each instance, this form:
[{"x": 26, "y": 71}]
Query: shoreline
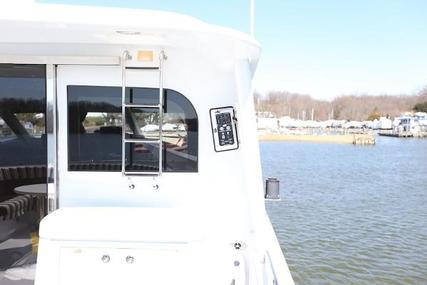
[{"x": 341, "y": 139}]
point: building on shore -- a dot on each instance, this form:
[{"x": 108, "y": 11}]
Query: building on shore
[
  {"x": 383, "y": 123},
  {"x": 406, "y": 125}
]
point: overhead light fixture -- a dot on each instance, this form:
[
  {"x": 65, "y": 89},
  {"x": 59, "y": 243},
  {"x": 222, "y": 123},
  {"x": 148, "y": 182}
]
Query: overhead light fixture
[{"x": 145, "y": 55}]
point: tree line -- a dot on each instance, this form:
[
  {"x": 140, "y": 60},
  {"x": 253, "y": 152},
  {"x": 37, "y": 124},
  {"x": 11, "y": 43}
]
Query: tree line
[{"x": 346, "y": 107}]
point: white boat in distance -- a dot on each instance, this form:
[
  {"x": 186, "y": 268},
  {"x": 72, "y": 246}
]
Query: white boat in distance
[{"x": 119, "y": 205}]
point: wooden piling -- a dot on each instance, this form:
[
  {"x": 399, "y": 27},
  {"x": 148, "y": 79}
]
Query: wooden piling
[{"x": 363, "y": 139}]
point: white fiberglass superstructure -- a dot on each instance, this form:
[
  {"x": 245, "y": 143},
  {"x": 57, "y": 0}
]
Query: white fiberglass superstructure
[{"x": 147, "y": 126}]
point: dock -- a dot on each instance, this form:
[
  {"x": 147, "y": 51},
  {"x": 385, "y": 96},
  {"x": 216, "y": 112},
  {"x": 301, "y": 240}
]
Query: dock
[
  {"x": 364, "y": 139},
  {"x": 403, "y": 134},
  {"x": 397, "y": 135}
]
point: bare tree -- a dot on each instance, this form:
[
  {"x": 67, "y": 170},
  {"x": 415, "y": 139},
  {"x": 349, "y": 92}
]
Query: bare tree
[{"x": 346, "y": 107}]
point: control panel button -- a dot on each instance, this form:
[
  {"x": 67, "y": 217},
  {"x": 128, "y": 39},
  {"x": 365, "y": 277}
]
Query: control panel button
[{"x": 225, "y": 135}]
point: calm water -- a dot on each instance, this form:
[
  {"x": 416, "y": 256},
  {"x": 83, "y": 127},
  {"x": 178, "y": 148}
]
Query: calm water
[{"x": 351, "y": 215}]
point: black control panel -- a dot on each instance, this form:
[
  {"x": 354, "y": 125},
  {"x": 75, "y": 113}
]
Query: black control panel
[{"x": 225, "y": 129}]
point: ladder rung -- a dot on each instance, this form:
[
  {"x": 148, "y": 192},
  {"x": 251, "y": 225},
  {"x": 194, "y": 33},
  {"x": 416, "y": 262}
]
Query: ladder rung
[
  {"x": 141, "y": 172},
  {"x": 141, "y": 141},
  {"x": 152, "y": 68},
  {"x": 131, "y": 105}
]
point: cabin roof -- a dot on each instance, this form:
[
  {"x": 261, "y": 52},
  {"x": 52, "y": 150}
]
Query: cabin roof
[{"x": 53, "y": 23}]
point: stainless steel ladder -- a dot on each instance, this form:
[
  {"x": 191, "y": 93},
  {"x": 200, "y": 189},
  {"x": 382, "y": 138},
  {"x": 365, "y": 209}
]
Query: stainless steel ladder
[{"x": 129, "y": 105}]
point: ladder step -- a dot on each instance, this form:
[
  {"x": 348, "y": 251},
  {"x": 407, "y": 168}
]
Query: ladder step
[
  {"x": 141, "y": 173},
  {"x": 141, "y": 141},
  {"x": 132, "y": 105},
  {"x": 152, "y": 68}
]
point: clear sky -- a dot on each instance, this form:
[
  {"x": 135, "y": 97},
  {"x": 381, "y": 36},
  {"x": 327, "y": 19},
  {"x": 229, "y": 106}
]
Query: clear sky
[{"x": 324, "y": 48}]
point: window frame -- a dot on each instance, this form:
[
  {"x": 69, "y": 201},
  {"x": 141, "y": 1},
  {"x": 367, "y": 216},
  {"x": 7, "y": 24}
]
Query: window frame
[{"x": 164, "y": 157}]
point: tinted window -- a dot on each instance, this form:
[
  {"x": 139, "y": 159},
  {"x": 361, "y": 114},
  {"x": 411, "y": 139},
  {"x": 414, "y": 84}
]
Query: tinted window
[
  {"x": 23, "y": 158},
  {"x": 22, "y": 115},
  {"x": 95, "y": 130}
]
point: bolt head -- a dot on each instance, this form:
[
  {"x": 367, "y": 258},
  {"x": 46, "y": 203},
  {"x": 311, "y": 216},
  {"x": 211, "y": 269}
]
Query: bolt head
[
  {"x": 105, "y": 258},
  {"x": 130, "y": 259}
]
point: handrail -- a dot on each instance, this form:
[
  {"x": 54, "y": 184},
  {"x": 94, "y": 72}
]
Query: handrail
[{"x": 275, "y": 282}]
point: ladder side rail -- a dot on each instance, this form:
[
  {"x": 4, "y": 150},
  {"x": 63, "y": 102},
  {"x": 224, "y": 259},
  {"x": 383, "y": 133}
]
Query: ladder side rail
[
  {"x": 162, "y": 57},
  {"x": 123, "y": 66}
]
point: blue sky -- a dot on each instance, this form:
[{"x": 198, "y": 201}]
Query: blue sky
[{"x": 324, "y": 48}]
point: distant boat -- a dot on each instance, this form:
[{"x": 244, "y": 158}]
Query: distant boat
[{"x": 408, "y": 125}]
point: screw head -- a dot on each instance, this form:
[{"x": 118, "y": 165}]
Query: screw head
[
  {"x": 236, "y": 263},
  {"x": 105, "y": 258},
  {"x": 237, "y": 245},
  {"x": 130, "y": 259},
  {"x": 131, "y": 186}
]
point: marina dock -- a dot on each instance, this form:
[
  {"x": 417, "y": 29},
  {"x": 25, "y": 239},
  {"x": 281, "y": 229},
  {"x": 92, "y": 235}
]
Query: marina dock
[{"x": 403, "y": 134}]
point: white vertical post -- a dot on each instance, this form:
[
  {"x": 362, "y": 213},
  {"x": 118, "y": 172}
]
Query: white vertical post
[
  {"x": 252, "y": 18},
  {"x": 51, "y": 136}
]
